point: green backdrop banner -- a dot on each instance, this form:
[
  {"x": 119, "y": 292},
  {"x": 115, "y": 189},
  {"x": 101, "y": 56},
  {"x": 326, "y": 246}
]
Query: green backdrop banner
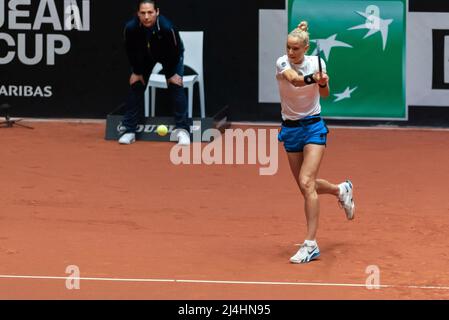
[{"x": 363, "y": 44}]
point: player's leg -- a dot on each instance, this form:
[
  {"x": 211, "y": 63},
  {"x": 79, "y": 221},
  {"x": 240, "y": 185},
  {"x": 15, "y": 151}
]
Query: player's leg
[
  {"x": 343, "y": 191},
  {"x": 312, "y": 156},
  {"x": 293, "y": 139},
  {"x": 295, "y": 162},
  {"x": 325, "y": 187},
  {"x": 322, "y": 186}
]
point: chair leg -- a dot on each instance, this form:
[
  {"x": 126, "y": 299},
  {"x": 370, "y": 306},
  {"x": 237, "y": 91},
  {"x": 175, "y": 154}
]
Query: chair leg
[
  {"x": 153, "y": 101},
  {"x": 190, "y": 101},
  {"x": 147, "y": 102},
  {"x": 202, "y": 99}
]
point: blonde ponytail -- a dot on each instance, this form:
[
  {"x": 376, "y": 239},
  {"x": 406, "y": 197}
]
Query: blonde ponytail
[
  {"x": 303, "y": 26},
  {"x": 301, "y": 32}
]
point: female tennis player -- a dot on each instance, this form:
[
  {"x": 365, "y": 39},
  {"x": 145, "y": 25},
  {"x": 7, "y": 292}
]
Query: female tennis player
[{"x": 304, "y": 133}]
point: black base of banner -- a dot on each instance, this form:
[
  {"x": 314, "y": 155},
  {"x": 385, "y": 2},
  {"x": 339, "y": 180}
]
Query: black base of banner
[{"x": 146, "y": 129}]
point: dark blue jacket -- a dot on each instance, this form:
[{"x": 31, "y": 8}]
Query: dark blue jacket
[{"x": 146, "y": 46}]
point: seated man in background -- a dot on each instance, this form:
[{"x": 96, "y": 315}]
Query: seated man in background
[{"x": 151, "y": 38}]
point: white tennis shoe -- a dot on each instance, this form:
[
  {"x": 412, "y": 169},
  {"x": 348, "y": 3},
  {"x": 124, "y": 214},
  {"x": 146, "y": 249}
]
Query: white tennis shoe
[
  {"x": 127, "y": 138},
  {"x": 346, "y": 199},
  {"x": 183, "y": 138},
  {"x": 309, "y": 251}
]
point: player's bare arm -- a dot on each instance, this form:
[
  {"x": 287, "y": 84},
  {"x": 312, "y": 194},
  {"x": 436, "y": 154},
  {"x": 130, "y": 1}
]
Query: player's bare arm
[
  {"x": 322, "y": 79},
  {"x": 294, "y": 78}
]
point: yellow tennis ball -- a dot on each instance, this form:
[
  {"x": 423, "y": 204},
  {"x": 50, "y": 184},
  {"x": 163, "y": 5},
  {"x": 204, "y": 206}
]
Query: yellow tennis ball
[{"x": 162, "y": 130}]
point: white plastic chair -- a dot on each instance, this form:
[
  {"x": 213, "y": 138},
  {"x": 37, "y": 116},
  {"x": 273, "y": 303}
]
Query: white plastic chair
[{"x": 193, "y": 58}]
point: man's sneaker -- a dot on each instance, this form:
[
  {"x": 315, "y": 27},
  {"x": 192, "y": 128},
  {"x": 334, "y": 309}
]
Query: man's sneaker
[
  {"x": 183, "y": 138},
  {"x": 346, "y": 199},
  {"x": 309, "y": 251},
  {"x": 127, "y": 138}
]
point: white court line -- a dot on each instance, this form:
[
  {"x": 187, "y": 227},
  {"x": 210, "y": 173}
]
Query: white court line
[
  {"x": 62, "y": 120},
  {"x": 301, "y": 284}
]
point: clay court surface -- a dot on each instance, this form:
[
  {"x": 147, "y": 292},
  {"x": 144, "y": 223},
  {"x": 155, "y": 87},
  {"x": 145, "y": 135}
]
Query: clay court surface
[{"x": 68, "y": 197}]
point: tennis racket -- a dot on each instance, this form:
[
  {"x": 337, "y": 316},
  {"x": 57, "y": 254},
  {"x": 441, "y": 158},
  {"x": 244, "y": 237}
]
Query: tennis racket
[{"x": 320, "y": 67}]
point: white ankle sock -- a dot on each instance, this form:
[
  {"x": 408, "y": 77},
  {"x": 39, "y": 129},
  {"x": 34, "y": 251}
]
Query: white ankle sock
[
  {"x": 310, "y": 243},
  {"x": 342, "y": 188}
]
